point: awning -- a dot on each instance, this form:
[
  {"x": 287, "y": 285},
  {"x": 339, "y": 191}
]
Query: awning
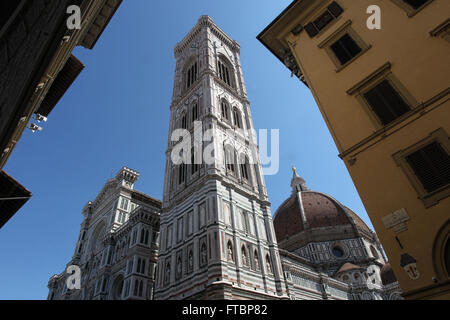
[
  {"x": 12, "y": 197},
  {"x": 62, "y": 83}
]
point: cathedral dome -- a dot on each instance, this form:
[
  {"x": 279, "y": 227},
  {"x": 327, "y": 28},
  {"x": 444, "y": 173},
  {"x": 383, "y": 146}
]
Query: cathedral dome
[{"x": 309, "y": 210}]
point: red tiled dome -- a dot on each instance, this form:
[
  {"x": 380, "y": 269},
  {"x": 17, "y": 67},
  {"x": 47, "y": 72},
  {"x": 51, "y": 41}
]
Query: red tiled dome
[{"x": 320, "y": 211}]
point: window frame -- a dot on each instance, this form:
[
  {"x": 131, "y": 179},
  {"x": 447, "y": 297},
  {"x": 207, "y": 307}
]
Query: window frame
[
  {"x": 328, "y": 25},
  {"x": 371, "y": 81},
  {"x": 410, "y": 11},
  {"x": 428, "y": 198},
  {"x": 345, "y": 28}
]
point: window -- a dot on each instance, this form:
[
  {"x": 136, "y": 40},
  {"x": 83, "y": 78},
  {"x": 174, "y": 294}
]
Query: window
[
  {"x": 416, "y": 4},
  {"x": 181, "y": 173},
  {"x": 345, "y": 49},
  {"x": 194, "y": 165},
  {"x": 386, "y": 102},
  {"x": 385, "y": 99},
  {"x": 195, "y": 112},
  {"x": 191, "y": 75},
  {"x": 224, "y": 72},
  {"x": 431, "y": 164},
  {"x": 237, "y": 118},
  {"x": 184, "y": 122},
  {"x": 124, "y": 204},
  {"x": 224, "y": 110},
  {"x": 427, "y": 165},
  {"x": 412, "y": 6},
  {"x": 344, "y": 46},
  {"x": 245, "y": 169},
  {"x": 333, "y": 11},
  {"x": 338, "y": 252}
]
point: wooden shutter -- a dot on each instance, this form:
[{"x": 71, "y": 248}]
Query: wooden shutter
[
  {"x": 431, "y": 165},
  {"x": 311, "y": 29},
  {"x": 335, "y": 9}
]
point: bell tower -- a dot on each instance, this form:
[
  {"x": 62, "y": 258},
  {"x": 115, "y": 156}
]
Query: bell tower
[{"x": 217, "y": 236}]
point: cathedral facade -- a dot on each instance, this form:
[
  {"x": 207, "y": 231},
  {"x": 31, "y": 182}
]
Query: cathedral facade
[{"x": 213, "y": 236}]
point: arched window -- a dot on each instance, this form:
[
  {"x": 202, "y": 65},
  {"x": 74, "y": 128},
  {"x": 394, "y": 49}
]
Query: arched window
[
  {"x": 184, "y": 121},
  {"x": 230, "y": 255},
  {"x": 244, "y": 256},
  {"x": 181, "y": 173},
  {"x": 237, "y": 118},
  {"x": 191, "y": 75},
  {"x": 224, "y": 71},
  {"x": 245, "y": 168},
  {"x": 194, "y": 112},
  {"x": 194, "y": 165},
  {"x": 225, "y": 109}
]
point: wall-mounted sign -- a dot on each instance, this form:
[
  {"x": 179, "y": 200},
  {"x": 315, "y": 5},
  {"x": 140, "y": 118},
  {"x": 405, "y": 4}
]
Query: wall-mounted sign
[{"x": 396, "y": 220}]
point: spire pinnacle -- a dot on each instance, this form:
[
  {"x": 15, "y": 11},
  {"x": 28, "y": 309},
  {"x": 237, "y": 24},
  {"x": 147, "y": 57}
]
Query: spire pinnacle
[{"x": 297, "y": 183}]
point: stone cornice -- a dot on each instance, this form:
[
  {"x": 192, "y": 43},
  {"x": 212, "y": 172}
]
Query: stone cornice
[{"x": 206, "y": 22}]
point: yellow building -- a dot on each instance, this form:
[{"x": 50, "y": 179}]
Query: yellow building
[{"x": 379, "y": 72}]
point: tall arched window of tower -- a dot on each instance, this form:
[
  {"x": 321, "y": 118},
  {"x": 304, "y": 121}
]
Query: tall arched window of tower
[
  {"x": 244, "y": 166},
  {"x": 225, "y": 110},
  {"x": 190, "y": 74},
  {"x": 224, "y": 70},
  {"x": 194, "y": 114},
  {"x": 237, "y": 118}
]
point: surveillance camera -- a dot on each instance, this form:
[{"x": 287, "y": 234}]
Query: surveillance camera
[
  {"x": 434, "y": 280},
  {"x": 33, "y": 127},
  {"x": 40, "y": 117}
]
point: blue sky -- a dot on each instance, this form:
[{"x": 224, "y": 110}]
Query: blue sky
[{"x": 117, "y": 113}]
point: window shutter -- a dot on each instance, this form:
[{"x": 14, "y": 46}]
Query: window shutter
[
  {"x": 335, "y": 9},
  {"x": 431, "y": 165},
  {"x": 311, "y": 29}
]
